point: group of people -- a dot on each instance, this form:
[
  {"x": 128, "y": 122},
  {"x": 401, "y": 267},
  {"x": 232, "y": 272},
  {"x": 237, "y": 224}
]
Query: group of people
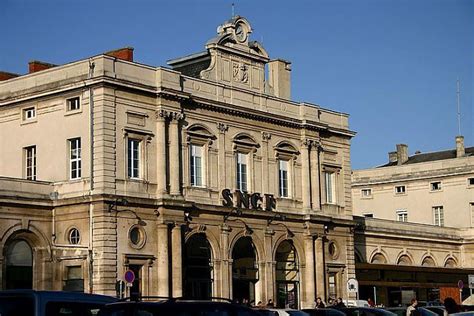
[
  {"x": 260, "y": 304},
  {"x": 450, "y": 307},
  {"x": 335, "y": 303}
]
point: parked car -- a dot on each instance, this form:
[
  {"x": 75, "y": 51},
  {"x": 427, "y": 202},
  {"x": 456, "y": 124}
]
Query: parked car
[
  {"x": 365, "y": 311},
  {"x": 323, "y": 312},
  {"x": 51, "y": 303},
  {"x": 287, "y": 312},
  {"x": 176, "y": 307}
]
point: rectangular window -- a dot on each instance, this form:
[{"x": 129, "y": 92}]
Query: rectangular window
[
  {"x": 438, "y": 215},
  {"x": 470, "y": 181},
  {"x": 435, "y": 186},
  {"x": 402, "y": 216},
  {"x": 368, "y": 215},
  {"x": 332, "y": 284},
  {"x": 400, "y": 189},
  {"x": 75, "y": 158},
  {"x": 366, "y": 192},
  {"x": 196, "y": 165},
  {"x": 30, "y": 163},
  {"x": 29, "y": 113},
  {"x": 133, "y": 158},
  {"x": 74, "y": 279},
  {"x": 242, "y": 172},
  {"x": 330, "y": 184},
  {"x": 73, "y": 104},
  {"x": 283, "y": 177}
]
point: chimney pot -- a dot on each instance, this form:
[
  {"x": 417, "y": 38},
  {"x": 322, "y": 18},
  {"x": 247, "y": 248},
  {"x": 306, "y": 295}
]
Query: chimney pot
[
  {"x": 279, "y": 72},
  {"x": 392, "y": 156},
  {"x": 460, "y": 150},
  {"x": 7, "y": 75},
  {"x": 125, "y": 53},
  {"x": 402, "y": 154},
  {"x": 36, "y": 65}
]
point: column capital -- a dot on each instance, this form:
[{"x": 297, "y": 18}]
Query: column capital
[
  {"x": 222, "y": 127},
  {"x": 315, "y": 144},
  {"x": 175, "y": 117},
  {"x": 306, "y": 142},
  {"x": 266, "y": 136}
]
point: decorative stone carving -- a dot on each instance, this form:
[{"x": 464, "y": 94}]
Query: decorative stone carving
[
  {"x": 240, "y": 72},
  {"x": 266, "y": 136},
  {"x": 222, "y": 127}
]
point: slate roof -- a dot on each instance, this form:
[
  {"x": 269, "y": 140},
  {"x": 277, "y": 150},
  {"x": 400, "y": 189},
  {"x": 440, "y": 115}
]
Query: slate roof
[{"x": 433, "y": 156}]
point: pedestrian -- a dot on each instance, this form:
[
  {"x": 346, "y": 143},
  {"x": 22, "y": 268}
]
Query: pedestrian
[
  {"x": 319, "y": 303},
  {"x": 270, "y": 303},
  {"x": 412, "y": 308},
  {"x": 371, "y": 303},
  {"x": 260, "y": 304},
  {"x": 330, "y": 302},
  {"x": 451, "y": 306},
  {"x": 339, "y": 303}
]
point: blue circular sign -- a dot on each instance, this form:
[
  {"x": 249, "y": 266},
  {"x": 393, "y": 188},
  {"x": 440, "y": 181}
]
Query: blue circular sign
[
  {"x": 460, "y": 284},
  {"x": 129, "y": 276}
]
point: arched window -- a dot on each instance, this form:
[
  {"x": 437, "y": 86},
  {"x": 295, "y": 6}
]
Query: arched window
[
  {"x": 197, "y": 267},
  {"x": 287, "y": 275},
  {"x": 19, "y": 266},
  {"x": 428, "y": 262},
  {"x": 244, "y": 269},
  {"x": 404, "y": 260},
  {"x": 379, "y": 259},
  {"x": 450, "y": 263}
]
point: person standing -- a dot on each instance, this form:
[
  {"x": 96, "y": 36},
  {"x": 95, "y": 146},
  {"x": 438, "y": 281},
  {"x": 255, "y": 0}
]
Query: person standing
[
  {"x": 319, "y": 303},
  {"x": 412, "y": 307}
]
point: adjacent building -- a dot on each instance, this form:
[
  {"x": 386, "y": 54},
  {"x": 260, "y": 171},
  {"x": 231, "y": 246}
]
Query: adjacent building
[
  {"x": 204, "y": 180},
  {"x": 415, "y": 217}
]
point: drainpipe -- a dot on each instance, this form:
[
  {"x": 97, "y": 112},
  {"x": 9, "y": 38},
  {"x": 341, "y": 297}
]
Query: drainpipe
[{"x": 91, "y": 180}]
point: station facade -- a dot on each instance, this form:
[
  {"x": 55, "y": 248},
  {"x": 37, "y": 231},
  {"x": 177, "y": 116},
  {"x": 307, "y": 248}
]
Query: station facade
[{"x": 204, "y": 179}]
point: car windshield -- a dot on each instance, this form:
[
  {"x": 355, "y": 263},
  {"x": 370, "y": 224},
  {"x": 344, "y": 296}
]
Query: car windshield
[{"x": 16, "y": 306}]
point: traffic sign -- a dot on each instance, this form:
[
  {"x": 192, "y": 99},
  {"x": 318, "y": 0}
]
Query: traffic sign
[
  {"x": 129, "y": 276},
  {"x": 471, "y": 281},
  {"x": 352, "y": 285},
  {"x": 460, "y": 284}
]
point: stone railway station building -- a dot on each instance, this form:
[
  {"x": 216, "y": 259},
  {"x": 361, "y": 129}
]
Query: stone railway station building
[{"x": 205, "y": 179}]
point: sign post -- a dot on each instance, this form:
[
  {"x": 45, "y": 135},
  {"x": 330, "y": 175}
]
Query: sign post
[
  {"x": 353, "y": 287},
  {"x": 460, "y": 286}
]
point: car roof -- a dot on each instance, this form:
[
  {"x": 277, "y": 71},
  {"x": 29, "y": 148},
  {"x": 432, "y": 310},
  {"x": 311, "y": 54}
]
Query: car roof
[{"x": 59, "y": 295}]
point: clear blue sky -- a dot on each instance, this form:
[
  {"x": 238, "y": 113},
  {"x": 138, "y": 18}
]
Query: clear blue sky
[{"x": 391, "y": 64}]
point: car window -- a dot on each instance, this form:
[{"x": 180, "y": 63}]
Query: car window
[
  {"x": 72, "y": 309},
  {"x": 16, "y": 306},
  {"x": 297, "y": 313}
]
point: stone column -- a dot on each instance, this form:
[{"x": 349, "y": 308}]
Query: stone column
[
  {"x": 226, "y": 265},
  {"x": 176, "y": 261},
  {"x": 315, "y": 199},
  {"x": 305, "y": 175},
  {"x": 320, "y": 268},
  {"x": 161, "y": 152},
  {"x": 269, "y": 267},
  {"x": 162, "y": 260},
  {"x": 174, "y": 158},
  {"x": 309, "y": 273},
  {"x": 265, "y": 172},
  {"x": 221, "y": 155}
]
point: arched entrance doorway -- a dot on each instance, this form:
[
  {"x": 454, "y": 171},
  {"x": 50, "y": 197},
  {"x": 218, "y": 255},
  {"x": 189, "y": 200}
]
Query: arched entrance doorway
[
  {"x": 19, "y": 265},
  {"x": 244, "y": 270},
  {"x": 287, "y": 275},
  {"x": 197, "y": 268}
]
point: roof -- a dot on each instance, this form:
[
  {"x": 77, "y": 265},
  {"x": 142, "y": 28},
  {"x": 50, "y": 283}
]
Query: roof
[{"x": 432, "y": 156}]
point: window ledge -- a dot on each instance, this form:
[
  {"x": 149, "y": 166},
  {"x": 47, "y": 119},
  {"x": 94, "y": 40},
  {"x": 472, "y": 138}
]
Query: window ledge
[{"x": 72, "y": 112}]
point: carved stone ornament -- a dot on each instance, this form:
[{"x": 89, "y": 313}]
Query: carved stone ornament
[
  {"x": 222, "y": 127},
  {"x": 306, "y": 142},
  {"x": 163, "y": 114},
  {"x": 240, "y": 72},
  {"x": 266, "y": 136}
]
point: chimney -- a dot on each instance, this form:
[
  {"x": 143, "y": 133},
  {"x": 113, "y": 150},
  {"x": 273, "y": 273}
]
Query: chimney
[
  {"x": 392, "y": 156},
  {"x": 125, "y": 53},
  {"x": 402, "y": 154},
  {"x": 460, "y": 152},
  {"x": 36, "y": 65},
  {"x": 279, "y": 71},
  {"x": 7, "y": 75}
]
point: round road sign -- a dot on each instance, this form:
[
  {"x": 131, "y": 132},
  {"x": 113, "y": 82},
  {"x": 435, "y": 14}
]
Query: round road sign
[
  {"x": 460, "y": 284},
  {"x": 129, "y": 276}
]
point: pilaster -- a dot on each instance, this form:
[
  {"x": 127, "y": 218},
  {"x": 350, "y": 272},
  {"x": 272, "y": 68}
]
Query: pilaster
[{"x": 162, "y": 260}]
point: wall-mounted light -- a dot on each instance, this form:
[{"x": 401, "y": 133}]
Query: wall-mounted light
[
  {"x": 247, "y": 230},
  {"x": 113, "y": 206},
  {"x": 236, "y": 211}
]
